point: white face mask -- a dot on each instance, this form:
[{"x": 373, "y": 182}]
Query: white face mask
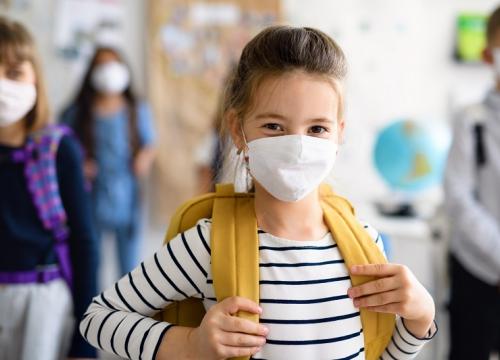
[
  {"x": 290, "y": 167},
  {"x": 110, "y": 78},
  {"x": 16, "y": 100},
  {"x": 496, "y": 61}
]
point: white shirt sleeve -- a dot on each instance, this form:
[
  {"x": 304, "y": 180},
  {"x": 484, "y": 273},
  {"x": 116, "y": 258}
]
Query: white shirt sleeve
[
  {"x": 404, "y": 345},
  {"x": 119, "y": 320},
  {"x": 469, "y": 218}
]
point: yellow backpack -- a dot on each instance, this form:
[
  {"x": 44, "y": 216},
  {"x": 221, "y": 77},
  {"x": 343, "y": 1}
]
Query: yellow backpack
[{"x": 235, "y": 255}]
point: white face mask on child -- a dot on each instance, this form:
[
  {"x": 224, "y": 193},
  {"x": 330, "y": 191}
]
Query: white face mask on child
[
  {"x": 110, "y": 78},
  {"x": 16, "y": 100},
  {"x": 289, "y": 167}
]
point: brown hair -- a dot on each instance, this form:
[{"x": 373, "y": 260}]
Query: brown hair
[
  {"x": 84, "y": 105},
  {"x": 278, "y": 50},
  {"x": 493, "y": 24},
  {"x": 16, "y": 46},
  {"x": 275, "y": 51}
]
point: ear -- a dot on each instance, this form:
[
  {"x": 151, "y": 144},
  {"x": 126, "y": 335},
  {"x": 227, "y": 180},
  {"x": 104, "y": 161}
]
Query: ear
[
  {"x": 487, "y": 55},
  {"x": 340, "y": 130},
  {"x": 235, "y": 129}
]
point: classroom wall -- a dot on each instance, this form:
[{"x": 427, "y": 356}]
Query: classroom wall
[
  {"x": 63, "y": 76},
  {"x": 400, "y": 65}
]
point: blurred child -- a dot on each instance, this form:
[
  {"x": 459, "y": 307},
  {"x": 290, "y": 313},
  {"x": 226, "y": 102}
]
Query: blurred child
[
  {"x": 284, "y": 112},
  {"x": 209, "y": 153},
  {"x": 117, "y": 134},
  {"x": 48, "y": 244},
  {"x": 473, "y": 204}
]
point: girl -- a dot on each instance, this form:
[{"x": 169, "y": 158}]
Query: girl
[
  {"x": 116, "y": 131},
  {"x": 284, "y": 113},
  {"x": 36, "y": 270}
]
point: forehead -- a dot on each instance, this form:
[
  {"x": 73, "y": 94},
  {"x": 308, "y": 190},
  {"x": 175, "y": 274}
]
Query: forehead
[
  {"x": 14, "y": 53},
  {"x": 24, "y": 66},
  {"x": 296, "y": 95},
  {"x": 104, "y": 56}
]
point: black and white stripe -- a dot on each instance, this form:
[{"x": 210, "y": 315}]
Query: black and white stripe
[{"x": 303, "y": 288}]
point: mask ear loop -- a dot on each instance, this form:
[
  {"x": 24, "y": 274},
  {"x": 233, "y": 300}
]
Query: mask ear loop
[{"x": 248, "y": 178}]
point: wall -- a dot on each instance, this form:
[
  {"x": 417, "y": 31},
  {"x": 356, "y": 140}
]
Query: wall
[
  {"x": 400, "y": 65},
  {"x": 63, "y": 76}
]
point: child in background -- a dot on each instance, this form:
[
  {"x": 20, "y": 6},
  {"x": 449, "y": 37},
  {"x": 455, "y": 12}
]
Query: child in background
[
  {"x": 117, "y": 134},
  {"x": 473, "y": 204},
  {"x": 47, "y": 249},
  {"x": 284, "y": 112}
]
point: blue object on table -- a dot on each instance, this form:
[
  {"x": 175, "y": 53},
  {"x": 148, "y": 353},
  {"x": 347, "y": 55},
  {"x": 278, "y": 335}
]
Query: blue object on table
[{"x": 410, "y": 156}]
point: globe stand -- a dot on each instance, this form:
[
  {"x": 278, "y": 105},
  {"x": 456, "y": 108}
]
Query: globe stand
[{"x": 400, "y": 209}]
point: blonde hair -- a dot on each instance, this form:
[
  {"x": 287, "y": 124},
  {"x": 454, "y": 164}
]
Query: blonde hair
[
  {"x": 17, "y": 45},
  {"x": 275, "y": 51}
]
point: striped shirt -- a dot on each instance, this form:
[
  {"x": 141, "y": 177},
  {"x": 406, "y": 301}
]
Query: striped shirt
[{"x": 303, "y": 289}]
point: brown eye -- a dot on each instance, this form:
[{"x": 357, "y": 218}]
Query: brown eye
[
  {"x": 14, "y": 73},
  {"x": 318, "y": 129},
  {"x": 273, "y": 127}
]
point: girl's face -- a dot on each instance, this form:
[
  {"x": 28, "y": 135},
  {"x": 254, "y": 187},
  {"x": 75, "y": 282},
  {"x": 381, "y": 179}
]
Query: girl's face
[
  {"x": 109, "y": 76},
  {"x": 292, "y": 104},
  {"x": 22, "y": 71}
]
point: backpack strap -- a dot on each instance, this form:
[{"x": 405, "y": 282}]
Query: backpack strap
[
  {"x": 358, "y": 248},
  {"x": 235, "y": 249},
  {"x": 479, "y": 146},
  {"x": 477, "y": 115},
  {"x": 39, "y": 156}
]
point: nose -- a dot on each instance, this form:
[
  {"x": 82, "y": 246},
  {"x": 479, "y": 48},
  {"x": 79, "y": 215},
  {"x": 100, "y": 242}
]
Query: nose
[{"x": 296, "y": 131}]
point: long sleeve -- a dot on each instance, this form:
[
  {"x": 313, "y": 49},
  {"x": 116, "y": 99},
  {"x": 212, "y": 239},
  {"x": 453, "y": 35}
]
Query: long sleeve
[
  {"x": 145, "y": 125},
  {"x": 119, "y": 320},
  {"x": 472, "y": 222},
  {"x": 404, "y": 345},
  {"x": 83, "y": 247}
]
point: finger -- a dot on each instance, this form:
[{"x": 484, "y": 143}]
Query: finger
[
  {"x": 393, "y": 308},
  {"x": 378, "y": 299},
  {"x": 374, "y": 287},
  {"x": 236, "y": 303},
  {"x": 242, "y": 340},
  {"x": 376, "y": 269},
  {"x": 235, "y": 324},
  {"x": 232, "y": 351}
]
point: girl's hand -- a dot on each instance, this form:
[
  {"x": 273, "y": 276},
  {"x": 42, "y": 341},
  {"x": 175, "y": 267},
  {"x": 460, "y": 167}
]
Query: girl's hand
[
  {"x": 396, "y": 291},
  {"x": 221, "y": 335}
]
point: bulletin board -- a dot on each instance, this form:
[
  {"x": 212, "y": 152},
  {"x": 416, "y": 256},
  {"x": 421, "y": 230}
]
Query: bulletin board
[{"x": 192, "y": 44}]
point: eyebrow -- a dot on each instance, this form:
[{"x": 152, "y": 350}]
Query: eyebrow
[{"x": 271, "y": 115}]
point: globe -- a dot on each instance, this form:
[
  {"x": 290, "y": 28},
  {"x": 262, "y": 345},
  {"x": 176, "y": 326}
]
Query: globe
[{"x": 410, "y": 156}]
